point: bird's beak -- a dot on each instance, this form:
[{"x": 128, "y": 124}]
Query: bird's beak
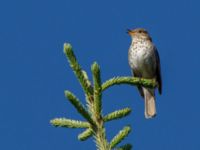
[{"x": 130, "y": 32}]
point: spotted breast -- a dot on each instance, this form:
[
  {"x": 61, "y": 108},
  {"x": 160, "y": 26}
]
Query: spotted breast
[{"x": 142, "y": 57}]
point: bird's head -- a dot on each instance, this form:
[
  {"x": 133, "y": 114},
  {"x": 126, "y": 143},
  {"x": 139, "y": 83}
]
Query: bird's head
[{"x": 139, "y": 33}]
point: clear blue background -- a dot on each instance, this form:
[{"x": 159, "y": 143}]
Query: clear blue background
[{"x": 34, "y": 71}]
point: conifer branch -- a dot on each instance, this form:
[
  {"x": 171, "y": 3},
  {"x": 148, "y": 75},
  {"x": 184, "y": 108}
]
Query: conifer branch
[
  {"x": 120, "y": 136},
  {"x": 111, "y": 116},
  {"x": 85, "y": 135},
  {"x": 93, "y": 112},
  {"x": 100, "y": 139},
  {"x": 97, "y": 89},
  {"x": 68, "y": 123},
  {"x": 79, "y": 106},
  {"x": 129, "y": 80},
  {"x": 99, "y": 131},
  {"x": 80, "y": 74},
  {"x": 117, "y": 114}
]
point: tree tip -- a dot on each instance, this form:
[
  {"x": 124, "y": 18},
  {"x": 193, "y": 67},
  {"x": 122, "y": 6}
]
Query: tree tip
[
  {"x": 67, "y": 93},
  {"x": 95, "y": 66},
  {"x": 67, "y": 47},
  {"x": 53, "y": 122}
]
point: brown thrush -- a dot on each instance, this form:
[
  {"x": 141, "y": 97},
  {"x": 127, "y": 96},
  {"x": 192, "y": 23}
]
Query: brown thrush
[{"x": 144, "y": 61}]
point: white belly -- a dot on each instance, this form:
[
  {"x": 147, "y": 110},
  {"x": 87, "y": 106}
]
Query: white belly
[{"x": 142, "y": 59}]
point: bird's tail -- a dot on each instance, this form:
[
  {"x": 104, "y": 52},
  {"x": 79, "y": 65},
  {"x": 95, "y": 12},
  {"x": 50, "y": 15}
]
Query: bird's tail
[{"x": 150, "y": 104}]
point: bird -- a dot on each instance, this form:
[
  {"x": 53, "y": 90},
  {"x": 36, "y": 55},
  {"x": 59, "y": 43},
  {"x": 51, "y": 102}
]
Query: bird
[{"x": 143, "y": 58}]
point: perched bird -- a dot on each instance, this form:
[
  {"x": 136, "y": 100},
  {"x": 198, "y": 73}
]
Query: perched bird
[{"x": 144, "y": 61}]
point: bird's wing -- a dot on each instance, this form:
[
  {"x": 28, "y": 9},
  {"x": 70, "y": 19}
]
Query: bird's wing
[
  {"x": 158, "y": 72},
  {"x": 137, "y": 74}
]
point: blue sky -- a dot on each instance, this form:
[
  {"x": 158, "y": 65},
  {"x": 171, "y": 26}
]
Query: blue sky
[{"x": 35, "y": 72}]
